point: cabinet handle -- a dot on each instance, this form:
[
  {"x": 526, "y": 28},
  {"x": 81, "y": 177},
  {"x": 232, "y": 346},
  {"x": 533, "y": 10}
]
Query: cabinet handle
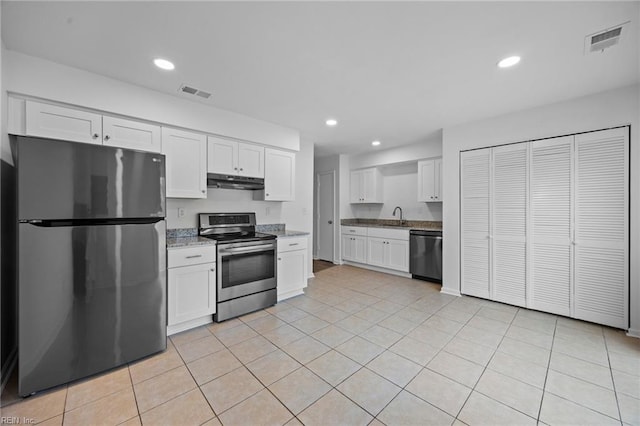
[
  {"x": 203, "y": 191},
  {"x": 235, "y": 168},
  {"x": 279, "y": 258},
  {"x": 193, "y": 257},
  {"x": 266, "y": 194},
  {"x": 213, "y": 270},
  {"x": 107, "y": 137},
  {"x": 241, "y": 169},
  {"x": 95, "y": 136},
  {"x": 293, "y": 244},
  {"x": 352, "y": 230}
]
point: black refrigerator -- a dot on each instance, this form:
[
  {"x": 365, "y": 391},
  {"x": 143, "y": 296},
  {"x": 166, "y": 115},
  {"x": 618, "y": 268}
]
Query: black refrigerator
[{"x": 91, "y": 259}]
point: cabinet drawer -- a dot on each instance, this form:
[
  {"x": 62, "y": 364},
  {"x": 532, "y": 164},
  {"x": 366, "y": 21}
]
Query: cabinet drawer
[
  {"x": 291, "y": 244},
  {"x": 394, "y": 234},
  {"x": 355, "y": 230},
  {"x": 185, "y": 256}
]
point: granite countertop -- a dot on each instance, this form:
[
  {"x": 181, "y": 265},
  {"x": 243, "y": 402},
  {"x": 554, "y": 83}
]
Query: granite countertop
[
  {"x": 175, "y": 242},
  {"x": 393, "y": 224}
]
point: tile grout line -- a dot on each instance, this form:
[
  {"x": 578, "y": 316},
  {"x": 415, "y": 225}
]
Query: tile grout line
[
  {"x": 546, "y": 375},
  {"x": 613, "y": 382}
]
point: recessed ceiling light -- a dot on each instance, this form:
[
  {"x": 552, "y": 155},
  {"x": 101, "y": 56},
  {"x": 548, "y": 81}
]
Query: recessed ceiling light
[
  {"x": 164, "y": 64},
  {"x": 509, "y": 62},
  {"x": 331, "y": 122},
  {"x": 375, "y": 143}
]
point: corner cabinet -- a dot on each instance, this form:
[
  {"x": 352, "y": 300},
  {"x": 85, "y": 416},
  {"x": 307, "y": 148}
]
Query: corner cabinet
[
  {"x": 191, "y": 287},
  {"x": 430, "y": 180},
  {"x": 279, "y": 176},
  {"x": 365, "y": 186},
  {"x": 234, "y": 158},
  {"x": 378, "y": 247},
  {"x": 186, "y": 158},
  {"x": 292, "y": 266}
]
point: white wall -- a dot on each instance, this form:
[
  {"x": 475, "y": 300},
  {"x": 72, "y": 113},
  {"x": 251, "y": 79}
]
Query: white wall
[
  {"x": 426, "y": 149},
  {"x": 296, "y": 215},
  {"x": 602, "y": 110},
  {"x": 28, "y": 75}
]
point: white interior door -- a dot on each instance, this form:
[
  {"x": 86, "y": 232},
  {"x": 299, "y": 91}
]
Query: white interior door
[
  {"x": 326, "y": 226},
  {"x": 602, "y": 227},
  {"x": 509, "y": 223},
  {"x": 474, "y": 227},
  {"x": 551, "y": 259}
]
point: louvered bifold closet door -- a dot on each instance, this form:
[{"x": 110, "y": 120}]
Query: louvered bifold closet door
[
  {"x": 509, "y": 224},
  {"x": 474, "y": 232},
  {"x": 551, "y": 259},
  {"x": 602, "y": 227}
]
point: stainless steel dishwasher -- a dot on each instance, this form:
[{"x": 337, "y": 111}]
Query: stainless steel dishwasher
[{"x": 425, "y": 252}]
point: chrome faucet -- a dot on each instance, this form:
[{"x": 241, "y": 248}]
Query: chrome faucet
[{"x": 394, "y": 213}]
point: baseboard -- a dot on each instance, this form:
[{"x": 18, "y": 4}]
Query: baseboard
[
  {"x": 450, "y": 291},
  {"x": 632, "y": 332},
  {"x": 187, "y": 325},
  {"x": 8, "y": 368},
  {"x": 378, "y": 269}
]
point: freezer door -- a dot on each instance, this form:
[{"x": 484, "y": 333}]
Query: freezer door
[
  {"x": 68, "y": 180},
  {"x": 90, "y": 298}
]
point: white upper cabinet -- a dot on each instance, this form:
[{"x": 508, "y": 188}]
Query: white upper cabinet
[
  {"x": 430, "y": 180},
  {"x": 57, "y": 122},
  {"x": 234, "y": 158},
  {"x": 279, "y": 175},
  {"x": 186, "y": 160},
  {"x": 51, "y": 121},
  {"x": 366, "y": 186},
  {"x": 130, "y": 134}
]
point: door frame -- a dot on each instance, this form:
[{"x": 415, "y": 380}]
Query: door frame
[{"x": 333, "y": 248}]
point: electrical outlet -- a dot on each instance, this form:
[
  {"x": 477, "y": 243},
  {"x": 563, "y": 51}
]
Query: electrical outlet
[{"x": 180, "y": 212}]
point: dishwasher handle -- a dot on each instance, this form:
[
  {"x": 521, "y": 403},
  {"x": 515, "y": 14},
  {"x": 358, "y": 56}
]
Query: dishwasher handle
[{"x": 426, "y": 233}]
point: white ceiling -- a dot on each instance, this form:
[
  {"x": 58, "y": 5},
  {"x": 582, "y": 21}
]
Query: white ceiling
[{"x": 394, "y": 71}]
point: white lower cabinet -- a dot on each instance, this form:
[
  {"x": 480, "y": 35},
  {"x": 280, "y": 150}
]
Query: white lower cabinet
[
  {"x": 191, "y": 289},
  {"x": 379, "y": 247},
  {"x": 292, "y": 266}
]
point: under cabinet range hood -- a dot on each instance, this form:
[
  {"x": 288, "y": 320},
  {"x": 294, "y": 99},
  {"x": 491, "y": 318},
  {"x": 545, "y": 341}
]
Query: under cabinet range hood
[{"x": 215, "y": 180}]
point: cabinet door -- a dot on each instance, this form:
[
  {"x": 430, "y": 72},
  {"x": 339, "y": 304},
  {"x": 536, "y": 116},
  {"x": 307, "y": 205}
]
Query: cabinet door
[
  {"x": 397, "y": 255},
  {"x": 551, "y": 259},
  {"x": 437, "y": 184},
  {"x": 186, "y": 158},
  {"x": 191, "y": 292},
  {"x": 50, "y": 121},
  {"x": 426, "y": 180},
  {"x": 359, "y": 249},
  {"x": 292, "y": 271},
  {"x": 251, "y": 160},
  {"x": 130, "y": 134},
  {"x": 371, "y": 186},
  {"x": 222, "y": 156},
  {"x": 347, "y": 247},
  {"x": 355, "y": 187},
  {"x": 509, "y": 223},
  {"x": 377, "y": 248},
  {"x": 602, "y": 227},
  {"x": 474, "y": 226},
  {"x": 279, "y": 175}
]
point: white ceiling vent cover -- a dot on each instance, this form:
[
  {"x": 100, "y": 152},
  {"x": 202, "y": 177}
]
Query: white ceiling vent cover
[
  {"x": 601, "y": 40},
  {"x": 193, "y": 91}
]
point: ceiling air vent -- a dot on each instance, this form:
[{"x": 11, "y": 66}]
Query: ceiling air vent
[
  {"x": 601, "y": 40},
  {"x": 193, "y": 91}
]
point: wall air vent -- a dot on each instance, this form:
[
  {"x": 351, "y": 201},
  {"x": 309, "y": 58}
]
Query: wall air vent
[
  {"x": 602, "y": 40},
  {"x": 193, "y": 91}
]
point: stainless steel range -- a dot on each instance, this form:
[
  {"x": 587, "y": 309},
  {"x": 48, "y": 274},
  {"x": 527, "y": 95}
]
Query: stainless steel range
[{"x": 246, "y": 279}]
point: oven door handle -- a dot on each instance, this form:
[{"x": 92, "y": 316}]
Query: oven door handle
[{"x": 250, "y": 249}]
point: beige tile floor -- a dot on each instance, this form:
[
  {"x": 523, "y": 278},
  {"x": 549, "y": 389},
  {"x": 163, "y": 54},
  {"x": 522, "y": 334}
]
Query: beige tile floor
[{"x": 363, "y": 347}]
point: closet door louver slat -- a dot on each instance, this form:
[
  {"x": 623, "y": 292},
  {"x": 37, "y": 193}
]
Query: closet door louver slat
[
  {"x": 601, "y": 220},
  {"x": 475, "y": 185},
  {"x": 551, "y": 259},
  {"x": 509, "y": 208}
]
